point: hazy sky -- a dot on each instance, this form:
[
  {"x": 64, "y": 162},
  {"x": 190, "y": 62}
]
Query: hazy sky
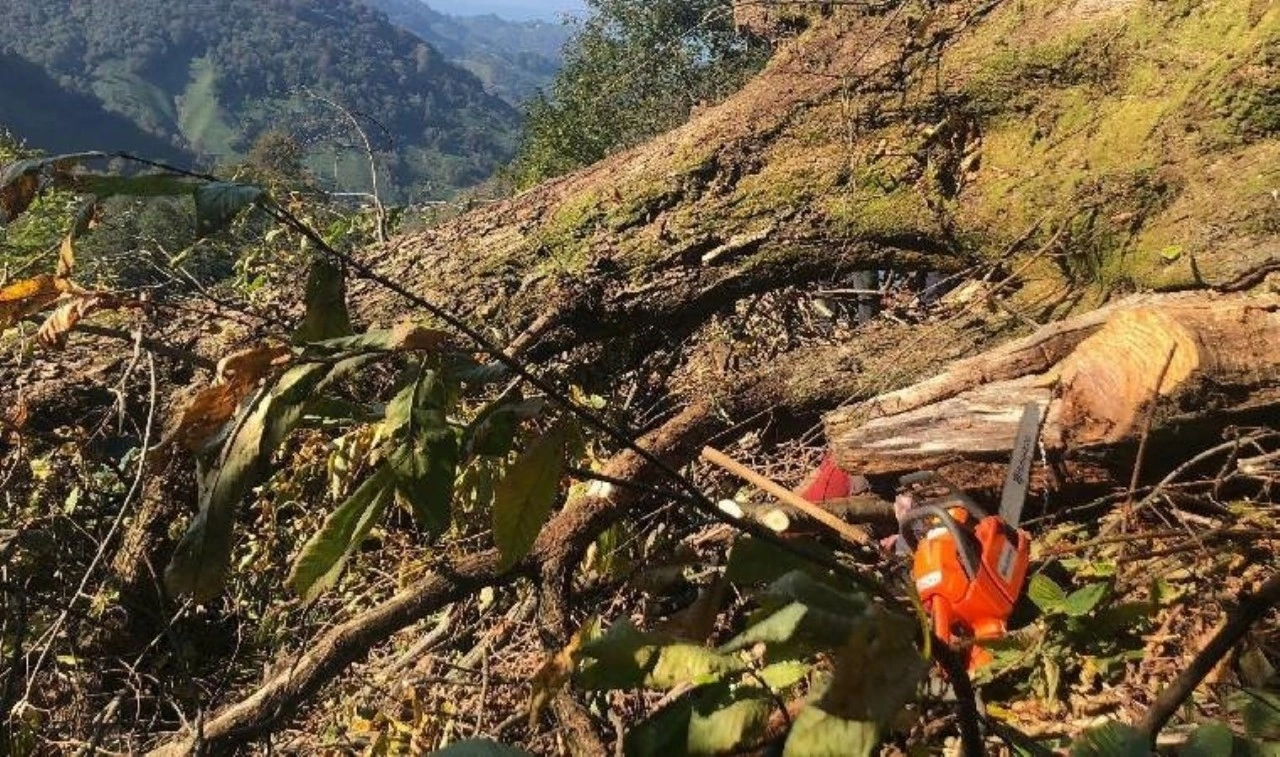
[{"x": 518, "y": 10}]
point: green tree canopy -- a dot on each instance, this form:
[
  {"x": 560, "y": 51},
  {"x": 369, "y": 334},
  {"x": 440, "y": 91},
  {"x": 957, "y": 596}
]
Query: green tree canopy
[{"x": 633, "y": 69}]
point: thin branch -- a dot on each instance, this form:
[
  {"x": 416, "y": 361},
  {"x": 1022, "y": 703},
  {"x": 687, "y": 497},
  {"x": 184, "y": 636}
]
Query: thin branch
[
  {"x": 1250, "y": 610},
  {"x": 51, "y": 635}
]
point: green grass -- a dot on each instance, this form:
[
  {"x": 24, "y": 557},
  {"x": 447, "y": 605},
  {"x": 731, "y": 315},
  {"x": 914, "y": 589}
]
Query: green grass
[{"x": 200, "y": 114}]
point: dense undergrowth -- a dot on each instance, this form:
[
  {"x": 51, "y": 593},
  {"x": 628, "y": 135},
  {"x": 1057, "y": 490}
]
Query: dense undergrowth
[{"x": 177, "y": 534}]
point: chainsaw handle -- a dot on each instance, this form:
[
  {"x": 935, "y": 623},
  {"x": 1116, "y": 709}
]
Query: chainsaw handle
[
  {"x": 954, "y": 496},
  {"x": 967, "y": 548}
]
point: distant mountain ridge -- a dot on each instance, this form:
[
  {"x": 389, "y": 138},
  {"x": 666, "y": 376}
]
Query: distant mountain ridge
[
  {"x": 209, "y": 76},
  {"x": 515, "y": 10},
  {"x": 514, "y": 59}
]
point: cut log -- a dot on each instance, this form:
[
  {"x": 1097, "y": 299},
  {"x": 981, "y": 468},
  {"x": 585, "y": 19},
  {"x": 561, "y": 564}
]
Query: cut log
[{"x": 1095, "y": 376}]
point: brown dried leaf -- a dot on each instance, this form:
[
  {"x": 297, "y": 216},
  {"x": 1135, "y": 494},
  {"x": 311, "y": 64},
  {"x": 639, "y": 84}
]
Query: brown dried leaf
[
  {"x": 250, "y": 366},
  {"x": 84, "y": 221},
  {"x": 15, "y": 417},
  {"x": 53, "y": 332},
  {"x": 27, "y": 297},
  {"x": 211, "y": 408},
  {"x": 410, "y": 337},
  {"x": 17, "y": 196}
]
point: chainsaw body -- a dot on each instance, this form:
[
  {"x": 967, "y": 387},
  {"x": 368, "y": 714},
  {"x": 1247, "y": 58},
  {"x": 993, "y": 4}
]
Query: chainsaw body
[{"x": 969, "y": 567}]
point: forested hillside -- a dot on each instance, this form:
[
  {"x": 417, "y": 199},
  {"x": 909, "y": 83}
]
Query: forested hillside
[
  {"x": 209, "y": 77},
  {"x": 514, "y": 59},
  {"x": 35, "y": 105}
]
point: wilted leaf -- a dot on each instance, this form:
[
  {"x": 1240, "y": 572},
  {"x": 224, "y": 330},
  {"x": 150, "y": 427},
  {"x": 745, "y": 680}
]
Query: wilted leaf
[
  {"x": 557, "y": 669},
  {"x": 322, "y": 558},
  {"x": 525, "y": 495},
  {"x": 27, "y": 297},
  {"x": 217, "y": 203},
  {"x": 1111, "y": 739},
  {"x": 480, "y": 748},
  {"x": 727, "y": 729},
  {"x": 876, "y": 671},
  {"x": 53, "y": 332},
  {"x": 1045, "y": 593},
  {"x": 821, "y": 734},
  {"x": 20, "y": 181},
  {"x": 211, "y": 408},
  {"x": 326, "y": 298},
  {"x": 79, "y": 226}
]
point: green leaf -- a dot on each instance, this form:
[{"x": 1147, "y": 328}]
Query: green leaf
[
  {"x": 753, "y": 561},
  {"x": 327, "y": 316},
  {"x": 1111, "y": 739},
  {"x": 493, "y": 433},
  {"x": 425, "y": 470},
  {"x": 802, "y": 613},
  {"x": 524, "y": 497},
  {"x": 1260, "y": 711},
  {"x": 664, "y": 734},
  {"x": 1209, "y": 740},
  {"x": 1083, "y": 601},
  {"x": 783, "y": 675},
  {"x": 626, "y": 658},
  {"x": 425, "y": 460},
  {"x": 201, "y": 560},
  {"x": 821, "y": 734},
  {"x": 145, "y": 185},
  {"x": 780, "y": 627},
  {"x": 727, "y": 729},
  {"x": 1046, "y": 594},
  {"x": 292, "y": 396},
  {"x": 217, "y": 203},
  {"x": 322, "y": 558},
  {"x": 680, "y": 664},
  {"x": 480, "y": 748}
]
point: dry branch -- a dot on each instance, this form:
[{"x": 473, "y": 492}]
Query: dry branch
[{"x": 1251, "y": 609}]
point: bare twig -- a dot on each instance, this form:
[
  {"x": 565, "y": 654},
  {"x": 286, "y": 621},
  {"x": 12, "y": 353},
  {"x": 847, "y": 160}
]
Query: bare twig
[
  {"x": 51, "y": 635},
  {"x": 1251, "y": 609}
]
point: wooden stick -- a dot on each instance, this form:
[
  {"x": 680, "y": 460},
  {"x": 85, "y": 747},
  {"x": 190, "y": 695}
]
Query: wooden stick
[{"x": 846, "y": 531}]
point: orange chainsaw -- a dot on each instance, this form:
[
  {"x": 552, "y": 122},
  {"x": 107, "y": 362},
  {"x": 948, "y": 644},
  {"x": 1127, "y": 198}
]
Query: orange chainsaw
[{"x": 970, "y": 566}]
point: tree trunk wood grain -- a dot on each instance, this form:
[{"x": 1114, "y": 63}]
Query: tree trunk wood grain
[{"x": 1196, "y": 355}]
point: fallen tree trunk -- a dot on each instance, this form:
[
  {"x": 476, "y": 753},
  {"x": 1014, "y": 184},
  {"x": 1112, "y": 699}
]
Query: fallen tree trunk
[{"x": 1197, "y": 356}]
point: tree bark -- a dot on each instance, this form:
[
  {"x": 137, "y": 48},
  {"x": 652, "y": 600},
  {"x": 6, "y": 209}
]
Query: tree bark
[{"x": 1197, "y": 356}]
